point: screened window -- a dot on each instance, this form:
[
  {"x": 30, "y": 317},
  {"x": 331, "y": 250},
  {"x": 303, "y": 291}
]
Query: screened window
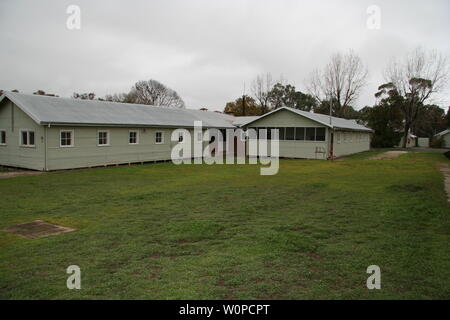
[
  {"x": 281, "y": 133},
  {"x": 2, "y": 137},
  {"x": 290, "y": 134},
  {"x": 27, "y": 138},
  {"x": 66, "y": 138},
  {"x": 300, "y": 134},
  {"x": 310, "y": 134},
  {"x": 320, "y": 134},
  {"x": 159, "y": 137},
  {"x": 103, "y": 138},
  {"x": 133, "y": 137}
]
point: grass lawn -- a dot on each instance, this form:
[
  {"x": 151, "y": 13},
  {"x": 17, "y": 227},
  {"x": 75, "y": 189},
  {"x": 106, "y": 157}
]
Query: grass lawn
[{"x": 224, "y": 232}]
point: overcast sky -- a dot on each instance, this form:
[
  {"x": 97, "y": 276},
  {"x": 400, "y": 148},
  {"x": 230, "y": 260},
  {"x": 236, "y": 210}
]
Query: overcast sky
[{"x": 205, "y": 50}]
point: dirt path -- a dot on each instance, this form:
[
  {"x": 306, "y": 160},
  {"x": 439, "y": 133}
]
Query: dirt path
[
  {"x": 443, "y": 167},
  {"x": 387, "y": 155}
]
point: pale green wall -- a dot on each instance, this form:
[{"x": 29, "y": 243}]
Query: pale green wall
[
  {"x": 447, "y": 140},
  {"x": 86, "y": 152},
  {"x": 12, "y": 119},
  {"x": 295, "y": 149},
  {"x": 355, "y": 142}
]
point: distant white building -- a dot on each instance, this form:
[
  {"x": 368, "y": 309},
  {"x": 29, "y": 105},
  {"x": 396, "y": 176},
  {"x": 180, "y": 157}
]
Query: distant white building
[{"x": 410, "y": 142}]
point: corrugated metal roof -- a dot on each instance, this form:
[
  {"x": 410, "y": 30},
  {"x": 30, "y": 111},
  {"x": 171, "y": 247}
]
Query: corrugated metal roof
[
  {"x": 55, "y": 110},
  {"x": 240, "y": 121},
  {"x": 336, "y": 123}
]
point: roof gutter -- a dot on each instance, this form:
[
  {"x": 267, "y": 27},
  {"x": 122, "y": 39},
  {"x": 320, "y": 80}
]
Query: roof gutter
[{"x": 132, "y": 125}]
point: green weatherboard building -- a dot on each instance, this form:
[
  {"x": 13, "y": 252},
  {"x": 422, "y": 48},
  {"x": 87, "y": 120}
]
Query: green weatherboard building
[{"x": 50, "y": 133}]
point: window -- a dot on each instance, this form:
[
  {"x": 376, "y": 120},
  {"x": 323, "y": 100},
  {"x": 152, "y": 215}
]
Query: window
[
  {"x": 2, "y": 137},
  {"x": 103, "y": 138},
  {"x": 310, "y": 134},
  {"x": 281, "y": 133},
  {"x": 133, "y": 137},
  {"x": 320, "y": 134},
  {"x": 27, "y": 138},
  {"x": 300, "y": 134},
  {"x": 290, "y": 134},
  {"x": 66, "y": 138},
  {"x": 159, "y": 139}
]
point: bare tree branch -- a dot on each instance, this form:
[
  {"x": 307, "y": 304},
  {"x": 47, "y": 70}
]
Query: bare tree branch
[{"x": 340, "y": 81}]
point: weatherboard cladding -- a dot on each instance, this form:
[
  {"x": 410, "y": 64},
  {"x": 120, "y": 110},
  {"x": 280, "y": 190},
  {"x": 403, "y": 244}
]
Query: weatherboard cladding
[
  {"x": 336, "y": 123},
  {"x": 61, "y": 111}
]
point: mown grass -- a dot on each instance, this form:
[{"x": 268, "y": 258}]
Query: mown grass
[{"x": 224, "y": 232}]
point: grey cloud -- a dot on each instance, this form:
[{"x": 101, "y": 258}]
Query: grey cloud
[{"x": 207, "y": 49}]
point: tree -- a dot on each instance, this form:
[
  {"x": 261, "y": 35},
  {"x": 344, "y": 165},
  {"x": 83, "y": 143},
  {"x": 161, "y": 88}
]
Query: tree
[
  {"x": 340, "y": 82},
  {"x": 43, "y": 93},
  {"x": 431, "y": 121},
  {"x": 261, "y": 88},
  {"x": 286, "y": 95},
  {"x": 346, "y": 112},
  {"x": 237, "y": 107},
  {"x": 155, "y": 93},
  {"x": 386, "y": 120},
  {"x": 447, "y": 117},
  {"x": 84, "y": 96},
  {"x": 415, "y": 80},
  {"x": 121, "y": 97}
]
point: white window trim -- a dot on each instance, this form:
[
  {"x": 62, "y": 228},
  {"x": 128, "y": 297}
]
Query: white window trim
[
  {"x": 6, "y": 140},
  {"x": 137, "y": 137},
  {"x": 162, "y": 137},
  {"x": 28, "y": 138},
  {"x": 72, "y": 138},
  {"x": 108, "y": 138}
]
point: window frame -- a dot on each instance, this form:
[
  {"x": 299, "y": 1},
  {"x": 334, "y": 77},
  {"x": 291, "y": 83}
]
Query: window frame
[
  {"x": 28, "y": 145},
  {"x": 3, "y": 131},
  {"x": 324, "y": 134},
  {"x": 108, "y": 141},
  {"x": 162, "y": 137},
  {"x": 306, "y": 134},
  {"x": 72, "y": 138},
  {"x": 137, "y": 137}
]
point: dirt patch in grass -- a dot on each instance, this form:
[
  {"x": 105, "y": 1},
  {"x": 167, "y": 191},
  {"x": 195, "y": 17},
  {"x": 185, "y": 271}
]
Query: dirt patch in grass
[
  {"x": 443, "y": 167},
  {"x": 37, "y": 229},
  {"x": 13, "y": 174},
  {"x": 387, "y": 155}
]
